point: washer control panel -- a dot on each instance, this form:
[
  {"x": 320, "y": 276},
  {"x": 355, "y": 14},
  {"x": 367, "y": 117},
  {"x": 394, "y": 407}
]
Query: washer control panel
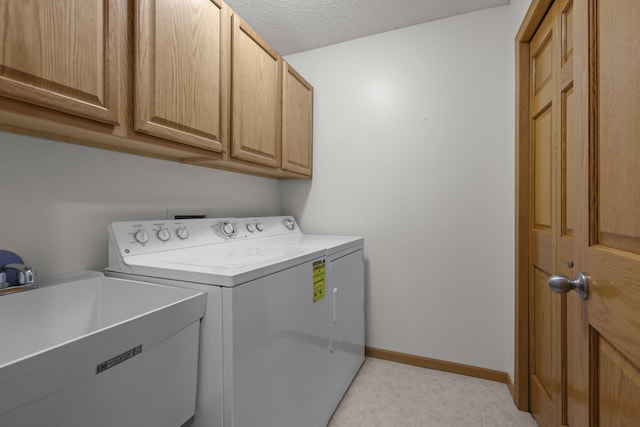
[{"x": 139, "y": 237}]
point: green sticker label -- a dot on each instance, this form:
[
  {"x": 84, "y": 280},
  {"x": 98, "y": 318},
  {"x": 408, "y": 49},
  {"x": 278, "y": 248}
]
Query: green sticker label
[{"x": 318, "y": 281}]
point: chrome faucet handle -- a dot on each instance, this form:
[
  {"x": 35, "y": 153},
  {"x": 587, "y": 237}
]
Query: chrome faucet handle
[{"x": 26, "y": 276}]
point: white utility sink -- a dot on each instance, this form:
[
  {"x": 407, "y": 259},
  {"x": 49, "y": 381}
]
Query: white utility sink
[{"x": 80, "y": 338}]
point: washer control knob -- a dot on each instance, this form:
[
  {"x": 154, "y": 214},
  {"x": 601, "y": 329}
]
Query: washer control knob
[
  {"x": 227, "y": 229},
  {"x": 182, "y": 233},
  {"x": 260, "y": 226},
  {"x": 163, "y": 234},
  {"x": 141, "y": 236},
  {"x": 251, "y": 228},
  {"x": 289, "y": 224}
]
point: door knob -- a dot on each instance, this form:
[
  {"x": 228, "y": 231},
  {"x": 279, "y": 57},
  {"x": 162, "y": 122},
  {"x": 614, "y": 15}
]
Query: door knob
[{"x": 562, "y": 285}]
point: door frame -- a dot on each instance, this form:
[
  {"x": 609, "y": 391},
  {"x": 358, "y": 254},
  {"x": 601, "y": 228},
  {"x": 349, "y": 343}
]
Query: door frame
[{"x": 523, "y": 199}]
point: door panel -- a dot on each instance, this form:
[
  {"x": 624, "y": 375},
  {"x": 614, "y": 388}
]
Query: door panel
[
  {"x": 346, "y": 280},
  {"x": 614, "y": 177},
  {"x": 575, "y": 379},
  {"x": 576, "y": 364},
  {"x": 568, "y": 177},
  {"x": 545, "y": 315},
  {"x": 179, "y": 80},
  {"x": 542, "y": 141},
  {"x": 297, "y": 122},
  {"x": 608, "y": 226},
  {"x": 544, "y": 332},
  {"x": 346, "y": 276},
  {"x": 567, "y": 33},
  {"x": 566, "y": 182},
  {"x": 255, "y": 97},
  {"x": 618, "y": 387},
  {"x": 595, "y": 211},
  {"x": 618, "y": 151},
  {"x": 60, "y": 54},
  {"x": 542, "y": 63}
]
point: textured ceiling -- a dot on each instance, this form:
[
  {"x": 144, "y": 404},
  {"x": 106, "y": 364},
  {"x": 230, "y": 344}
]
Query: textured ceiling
[{"x": 291, "y": 26}]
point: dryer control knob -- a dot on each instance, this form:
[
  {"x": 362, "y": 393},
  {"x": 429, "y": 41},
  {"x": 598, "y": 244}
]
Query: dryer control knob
[
  {"x": 251, "y": 228},
  {"x": 182, "y": 232},
  {"x": 163, "y": 234},
  {"x": 289, "y": 224},
  {"x": 260, "y": 226},
  {"x": 228, "y": 229},
  {"x": 141, "y": 236}
]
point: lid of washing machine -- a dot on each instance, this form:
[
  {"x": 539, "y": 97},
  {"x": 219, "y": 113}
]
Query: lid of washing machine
[
  {"x": 331, "y": 244},
  {"x": 227, "y": 264}
]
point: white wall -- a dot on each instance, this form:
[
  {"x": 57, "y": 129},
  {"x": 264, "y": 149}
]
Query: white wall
[
  {"x": 414, "y": 149},
  {"x": 56, "y": 199}
]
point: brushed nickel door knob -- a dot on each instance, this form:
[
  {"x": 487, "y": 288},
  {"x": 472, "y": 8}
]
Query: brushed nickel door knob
[{"x": 562, "y": 285}]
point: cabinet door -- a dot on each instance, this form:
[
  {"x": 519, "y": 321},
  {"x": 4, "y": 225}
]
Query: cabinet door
[
  {"x": 179, "y": 77},
  {"x": 255, "y": 97},
  {"x": 59, "y": 54},
  {"x": 297, "y": 122}
]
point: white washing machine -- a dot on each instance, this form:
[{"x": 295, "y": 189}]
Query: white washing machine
[{"x": 283, "y": 332}]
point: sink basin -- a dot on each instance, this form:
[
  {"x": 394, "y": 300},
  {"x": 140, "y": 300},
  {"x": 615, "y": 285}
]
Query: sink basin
[{"x": 77, "y": 328}]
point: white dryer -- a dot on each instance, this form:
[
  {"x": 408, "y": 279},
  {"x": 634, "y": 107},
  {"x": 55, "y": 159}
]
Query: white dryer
[
  {"x": 344, "y": 266},
  {"x": 283, "y": 332}
]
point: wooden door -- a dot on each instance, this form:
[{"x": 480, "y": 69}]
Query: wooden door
[
  {"x": 574, "y": 374},
  {"x": 180, "y": 77},
  {"x": 584, "y": 359},
  {"x": 297, "y": 122},
  {"x": 60, "y": 54},
  {"x": 255, "y": 97},
  {"x": 546, "y": 309},
  {"x": 608, "y": 234}
]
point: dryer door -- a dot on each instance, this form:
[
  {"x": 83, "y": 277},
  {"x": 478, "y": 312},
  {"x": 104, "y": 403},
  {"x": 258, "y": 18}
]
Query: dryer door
[{"x": 346, "y": 279}]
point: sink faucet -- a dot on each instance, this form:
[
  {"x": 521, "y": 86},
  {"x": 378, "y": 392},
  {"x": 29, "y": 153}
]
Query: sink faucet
[{"x": 26, "y": 278}]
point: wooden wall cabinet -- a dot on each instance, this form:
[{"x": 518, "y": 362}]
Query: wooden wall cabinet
[
  {"x": 187, "y": 81},
  {"x": 256, "y": 71},
  {"x": 297, "y": 122},
  {"x": 272, "y": 106},
  {"x": 60, "y": 54},
  {"x": 180, "y": 80}
]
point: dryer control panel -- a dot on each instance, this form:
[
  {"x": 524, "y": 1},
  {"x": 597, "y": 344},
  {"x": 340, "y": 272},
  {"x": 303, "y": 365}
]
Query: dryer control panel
[
  {"x": 252, "y": 228},
  {"x": 140, "y": 237}
]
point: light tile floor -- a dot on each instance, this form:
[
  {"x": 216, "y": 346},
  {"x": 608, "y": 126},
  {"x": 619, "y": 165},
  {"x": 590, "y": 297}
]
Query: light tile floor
[{"x": 389, "y": 394}]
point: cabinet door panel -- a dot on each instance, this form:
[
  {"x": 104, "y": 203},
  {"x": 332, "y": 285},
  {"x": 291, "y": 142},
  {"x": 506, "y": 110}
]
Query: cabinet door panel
[
  {"x": 297, "y": 122},
  {"x": 179, "y": 78},
  {"x": 60, "y": 54},
  {"x": 255, "y": 93}
]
